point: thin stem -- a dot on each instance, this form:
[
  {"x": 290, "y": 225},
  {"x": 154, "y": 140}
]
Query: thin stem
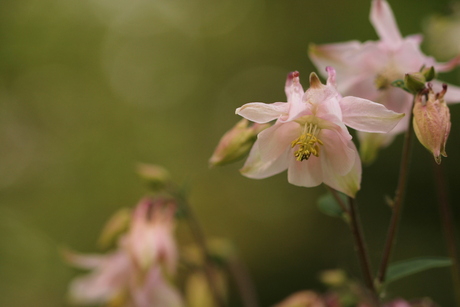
[
  {"x": 198, "y": 234},
  {"x": 398, "y": 201},
  {"x": 337, "y": 198},
  {"x": 448, "y": 226},
  {"x": 360, "y": 247},
  {"x": 243, "y": 282}
]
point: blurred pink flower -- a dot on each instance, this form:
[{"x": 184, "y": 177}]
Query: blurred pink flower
[
  {"x": 116, "y": 281},
  {"x": 367, "y": 70},
  {"x": 150, "y": 239},
  {"x": 309, "y": 137},
  {"x": 108, "y": 280}
]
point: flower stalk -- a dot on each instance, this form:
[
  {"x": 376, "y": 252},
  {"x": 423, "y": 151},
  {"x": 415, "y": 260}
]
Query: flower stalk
[
  {"x": 447, "y": 226},
  {"x": 361, "y": 250},
  {"x": 397, "y": 201}
]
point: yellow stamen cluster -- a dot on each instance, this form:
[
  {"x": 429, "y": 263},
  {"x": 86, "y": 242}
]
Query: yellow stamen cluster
[{"x": 308, "y": 143}]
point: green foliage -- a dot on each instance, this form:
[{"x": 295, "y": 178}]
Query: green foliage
[
  {"x": 405, "y": 268},
  {"x": 329, "y": 206}
]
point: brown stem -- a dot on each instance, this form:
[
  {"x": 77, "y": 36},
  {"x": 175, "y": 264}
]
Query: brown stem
[
  {"x": 447, "y": 226},
  {"x": 361, "y": 249},
  {"x": 397, "y": 202},
  {"x": 243, "y": 282}
]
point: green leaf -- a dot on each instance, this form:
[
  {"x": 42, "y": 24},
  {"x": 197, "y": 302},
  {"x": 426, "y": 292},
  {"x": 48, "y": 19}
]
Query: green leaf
[
  {"x": 329, "y": 206},
  {"x": 405, "y": 268}
]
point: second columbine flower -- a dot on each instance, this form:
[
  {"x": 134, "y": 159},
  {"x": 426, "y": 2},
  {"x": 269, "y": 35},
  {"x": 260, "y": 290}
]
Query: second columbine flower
[{"x": 309, "y": 137}]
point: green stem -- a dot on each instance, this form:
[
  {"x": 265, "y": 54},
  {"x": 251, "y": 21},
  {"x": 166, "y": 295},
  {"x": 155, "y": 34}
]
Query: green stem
[
  {"x": 448, "y": 226},
  {"x": 397, "y": 202},
  {"x": 199, "y": 236}
]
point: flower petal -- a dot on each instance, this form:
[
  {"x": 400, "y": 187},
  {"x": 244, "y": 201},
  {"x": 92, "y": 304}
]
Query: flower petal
[
  {"x": 440, "y": 67},
  {"x": 336, "y": 152},
  {"x": 293, "y": 88},
  {"x": 260, "y": 112},
  {"x": 384, "y": 22},
  {"x": 348, "y": 184},
  {"x": 337, "y": 55},
  {"x": 257, "y": 168},
  {"x": 365, "y": 115},
  {"x": 305, "y": 173},
  {"x": 273, "y": 141}
]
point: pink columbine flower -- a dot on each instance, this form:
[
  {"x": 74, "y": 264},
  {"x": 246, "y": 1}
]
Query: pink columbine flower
[
  {"x": 108, "y": 280},
  {"x": 368, "y": 69},
  {"x": 309, "y": 137},
  {"x": 115, "y": 280},
  {"x": 150, "y": 238}
]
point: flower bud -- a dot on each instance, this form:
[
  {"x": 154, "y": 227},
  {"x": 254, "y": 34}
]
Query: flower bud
[
  {"x": 236, "y": 143},
  {"x": 415, "y": 82},
  {"x": 429, "y": 73},
  {"x": 115, "y": 226},
  {"x": 157, "y": 177},
  {"x": 432, "y": 121}
]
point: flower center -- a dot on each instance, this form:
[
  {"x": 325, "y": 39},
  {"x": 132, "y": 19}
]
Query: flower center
[
  {"x": 384, "y": 79},
  {"x": 308, "y": 142}
]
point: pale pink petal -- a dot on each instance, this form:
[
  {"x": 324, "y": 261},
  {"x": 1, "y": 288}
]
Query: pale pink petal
[
  {"x": 84, "y": 261},
  {"x": 409, "y": 58},
  {"x": 365, "y": 115},
  {"x": 154, "y": 291},
  {"x": 273, "y": 141},
  {"x": 453, "y": 92},
  {"x": 348, "y": 184},
  {"x": 335, "y": 151},
  {"x": 262, "y": 112},
  {"x": 305, "y": 173},
  {"x": 293, "y": 88},
  {"x": 104, "y": 283},
  {"x": 384, "y": 22},
  {"x": 337, "y": 55},
  {"x": 440, "y": 67},
  {"x": 257, "y": 168}
]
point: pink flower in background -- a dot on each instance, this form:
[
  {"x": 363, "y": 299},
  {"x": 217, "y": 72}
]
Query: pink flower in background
[
  {"x": 116, "y": 281},
  {"x": 108, "y": 280},
  {"x": 368, "y": 69},
  {"x": 309, "y": 137},
  {"x": 150, "y": 239}
]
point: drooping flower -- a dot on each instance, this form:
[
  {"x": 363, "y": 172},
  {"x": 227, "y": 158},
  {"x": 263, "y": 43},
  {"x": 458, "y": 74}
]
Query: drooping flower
[
  {"x": 432, "y": 122},
  {"x": 309, "y": 137},
  {"x": 150, "y": 238},
  {"x": 368, "y": 69}
]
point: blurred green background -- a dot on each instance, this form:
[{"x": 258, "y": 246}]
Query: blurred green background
[{"x": 89, "y": 88}]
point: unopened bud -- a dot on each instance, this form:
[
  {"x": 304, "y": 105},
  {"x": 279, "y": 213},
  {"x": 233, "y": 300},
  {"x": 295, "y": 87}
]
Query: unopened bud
[
  {"x": 429, "y": 73},
  {"x": 333, "y": 278},
  {"x": 115, "y": 226},
  {"x": 415, "y": 82},
  {"x": 432, "y": 121},
  {"x": 157, "y": 177},
  {"x": 236, "y": 142}
]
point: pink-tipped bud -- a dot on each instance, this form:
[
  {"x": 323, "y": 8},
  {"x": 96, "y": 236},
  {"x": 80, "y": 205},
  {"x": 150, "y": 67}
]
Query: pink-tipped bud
[
  {"x": 432, "y": 121},
  {"x": 236, "y": 142}
]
